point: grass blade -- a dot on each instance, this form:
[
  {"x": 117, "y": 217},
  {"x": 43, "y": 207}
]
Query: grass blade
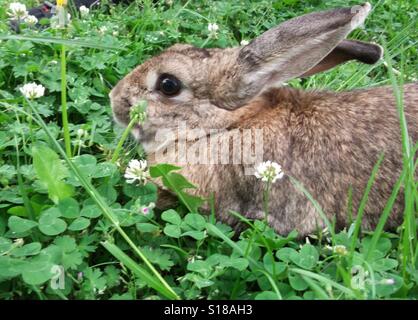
[
  {"x": 72, "y": 42},
  {"x": 320, "y": 292},
  {"x": 324, "y": 280},
  {"x": 315, "y": 203},
  {"x": 273, "y": 284},
  {"x": 64, "y": 114},
  {"x": 363, "y": 203},
  {"x": 383, "y": 218},
  {"x": 409, "y": 232},
  {"x": 138, "y": 270}
]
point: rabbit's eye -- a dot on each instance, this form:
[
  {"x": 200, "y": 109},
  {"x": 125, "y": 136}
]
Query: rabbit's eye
[{"x": 168, "y": 84}]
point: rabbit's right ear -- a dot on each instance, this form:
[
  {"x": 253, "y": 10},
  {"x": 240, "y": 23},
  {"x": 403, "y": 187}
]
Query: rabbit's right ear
[
  {"x": 364, "y": 52},
  {"x": 289, "y": 50}
]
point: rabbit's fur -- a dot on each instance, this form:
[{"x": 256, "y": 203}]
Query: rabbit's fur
[{"x": 328, "y": 141}]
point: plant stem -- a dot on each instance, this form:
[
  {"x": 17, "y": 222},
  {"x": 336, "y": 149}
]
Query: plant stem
[
  {"x": 67, "y": 140},
  {"x": 125, "y": 134},
  {"x": 30, "y": 123},
  {"x": 266, "y": 196},
  {"x": 26, "y": 202}
]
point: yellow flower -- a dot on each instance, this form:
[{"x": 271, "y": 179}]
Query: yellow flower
[{"x": 61, "y": 3}]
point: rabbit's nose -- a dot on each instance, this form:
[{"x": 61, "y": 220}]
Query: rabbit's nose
[
  {"x": 121, "y": 106},
  {"x": 117, "y": 90}
]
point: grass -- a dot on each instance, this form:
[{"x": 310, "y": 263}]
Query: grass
[
  {"x": 161, "y": 287},
  {"x": 77, "y": 212}
]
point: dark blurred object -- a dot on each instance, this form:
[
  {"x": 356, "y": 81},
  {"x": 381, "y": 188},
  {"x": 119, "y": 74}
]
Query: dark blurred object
[{"x": 47, "y": 10}]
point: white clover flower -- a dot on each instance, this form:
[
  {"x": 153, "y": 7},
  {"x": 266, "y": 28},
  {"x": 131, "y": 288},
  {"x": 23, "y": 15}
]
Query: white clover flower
[
  {"x": 84, "y": 11},
  {"x": 338, "y": 249},
  {"x": 194, "y": 257},
  {"x": 17, "y": 10},
  {"x": 153, "y": 38},
  {"x": 102, "y": 30},
  {"x": 82, "y": 133},
  {"x": 213, "y": 27},
  {"x": 146, "y": 210},
  {"x": 244, "y": 42},
  {"x": 101, "y": 291},
  {"x": 32, "y": 90},
  {"x": 388, "y": 281},
  {"x": 137, "y": 170},
  {"x": 19, "y": 242},
  {"x": 31, "y": 20},
  {"x": 269, "y": 171}
]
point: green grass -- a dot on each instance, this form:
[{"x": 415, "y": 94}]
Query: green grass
[{"x": 64, "y": 201}]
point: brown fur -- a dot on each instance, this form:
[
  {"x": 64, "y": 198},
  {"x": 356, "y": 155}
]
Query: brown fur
[{"x": 328, "y": 141}]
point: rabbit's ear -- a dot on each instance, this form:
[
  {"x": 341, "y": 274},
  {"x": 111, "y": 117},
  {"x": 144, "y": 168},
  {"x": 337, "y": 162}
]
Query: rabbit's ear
[
  {"x": 364, "y": 52},
  {"x": 293, "y": 48}
]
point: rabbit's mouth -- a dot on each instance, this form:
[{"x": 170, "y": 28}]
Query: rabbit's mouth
[
  {"x": 138, "y": 133},
  {"x": 154, "y": 141},
  {"x": 145, "y": 136}
]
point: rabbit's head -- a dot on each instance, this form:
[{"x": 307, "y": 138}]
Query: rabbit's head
[{"x": 211, "y": 88}]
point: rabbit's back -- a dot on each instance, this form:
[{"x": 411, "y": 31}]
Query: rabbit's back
[{"x": 330, "y": 142}]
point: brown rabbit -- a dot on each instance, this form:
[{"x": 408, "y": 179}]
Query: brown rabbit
[{"x": 328, "y": 141}]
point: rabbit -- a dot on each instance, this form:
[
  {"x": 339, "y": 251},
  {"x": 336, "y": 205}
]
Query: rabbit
[{"x": 328, "y": 141}]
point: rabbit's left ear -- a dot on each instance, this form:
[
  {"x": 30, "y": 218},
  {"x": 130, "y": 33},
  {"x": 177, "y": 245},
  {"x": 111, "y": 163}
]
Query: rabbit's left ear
[
  {"x": 347, "y": 50},
  {"x": 289, "y": 50}
]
